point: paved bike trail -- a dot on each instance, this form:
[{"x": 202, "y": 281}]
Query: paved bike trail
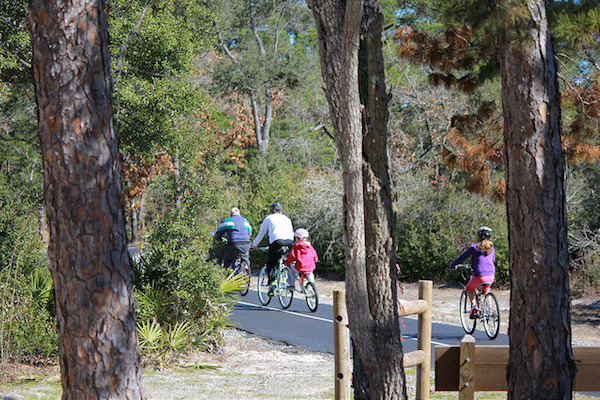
[{"x": 314, "y": 331}]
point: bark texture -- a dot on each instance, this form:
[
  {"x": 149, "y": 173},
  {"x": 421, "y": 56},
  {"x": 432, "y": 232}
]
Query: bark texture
[
  {"x": 368, "y": 220},
  {"x": 379, "y": 217},
  {"x": 90, "y": 266},
  {"x": 541, "y": 362}
]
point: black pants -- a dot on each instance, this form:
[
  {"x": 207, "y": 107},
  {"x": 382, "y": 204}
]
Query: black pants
[
  {"x": 276, "y": 250},
  {"x": 233, "y": 249}
]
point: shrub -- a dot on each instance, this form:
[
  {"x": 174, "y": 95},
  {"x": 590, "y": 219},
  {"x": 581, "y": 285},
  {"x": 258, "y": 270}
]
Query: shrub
[{"x": 435, "y": 226}]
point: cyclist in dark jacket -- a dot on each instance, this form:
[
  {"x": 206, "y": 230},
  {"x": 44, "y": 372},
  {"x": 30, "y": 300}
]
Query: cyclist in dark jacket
[{"x": 238, "y": 231}]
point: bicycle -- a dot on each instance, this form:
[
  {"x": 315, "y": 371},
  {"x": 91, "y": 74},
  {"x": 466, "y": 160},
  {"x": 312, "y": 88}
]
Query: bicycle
[
  {"x": 309, "y": 290},
  {"x": 281, "y": 290},
  {"x": 489, "y": 311},
  {"x": 240, "y": 266}
]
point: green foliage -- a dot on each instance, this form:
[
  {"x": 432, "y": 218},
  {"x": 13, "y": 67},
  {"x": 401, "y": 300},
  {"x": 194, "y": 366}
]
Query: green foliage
[
  {"x": 31, "y": 333},
  {"x": 435, "y": 227},
  {"x": 161, "y": 344},
  {"x": 234, "y": 282},
  {"x": 157, "y": 115},
  {"x": 15, "y": 49},
  {"x": 283, "y": 29},
  {"x": 158, "y": 38},
  {"x": 28, "y": 328},
  {"x": 154, "y": 303},
  {"x": 175, "y": 284}
]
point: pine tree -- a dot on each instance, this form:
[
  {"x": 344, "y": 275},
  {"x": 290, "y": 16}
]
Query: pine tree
[{"x": 459, "y": 42}]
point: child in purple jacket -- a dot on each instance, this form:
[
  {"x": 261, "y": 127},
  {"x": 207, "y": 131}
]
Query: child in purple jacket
[{"x": 483, "y": 258}]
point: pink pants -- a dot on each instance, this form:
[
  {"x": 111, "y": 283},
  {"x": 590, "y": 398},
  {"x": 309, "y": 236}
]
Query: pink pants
[{"x": 477, "y": 281}]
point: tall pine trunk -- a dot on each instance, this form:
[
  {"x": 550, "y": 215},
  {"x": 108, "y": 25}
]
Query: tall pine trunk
[
  {"x": 370, "y": 276},
  {"x": 90, "y": 266},
  {"x": 541, "y": 363},
  {"x": 379, "y": 217}
]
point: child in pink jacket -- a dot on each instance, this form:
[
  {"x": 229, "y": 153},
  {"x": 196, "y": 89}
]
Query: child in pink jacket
[{"x": 304, "y": 257}]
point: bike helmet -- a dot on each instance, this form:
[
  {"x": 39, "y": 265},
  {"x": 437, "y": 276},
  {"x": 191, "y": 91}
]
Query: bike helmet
[
  {"x": 484, "y": 232},
  {"x": 301, "y": 233},
  {"x": 276, "y": 207}
]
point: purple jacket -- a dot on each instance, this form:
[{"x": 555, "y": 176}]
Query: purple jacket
[{"x": 482, "y": 265}]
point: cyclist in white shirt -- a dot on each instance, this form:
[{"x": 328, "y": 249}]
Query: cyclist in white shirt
[{"x": 281, "y": 234}]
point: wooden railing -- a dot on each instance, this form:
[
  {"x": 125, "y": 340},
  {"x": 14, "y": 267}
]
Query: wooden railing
[
  {"x": 421, "y": 358},
  {"x": 469, "y": 368}
]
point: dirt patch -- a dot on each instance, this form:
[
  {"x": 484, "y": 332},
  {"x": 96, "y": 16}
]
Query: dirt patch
[{"x": 14, "y": 373}]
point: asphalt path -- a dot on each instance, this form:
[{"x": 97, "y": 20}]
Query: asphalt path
[{"x": 314, "y": 331}]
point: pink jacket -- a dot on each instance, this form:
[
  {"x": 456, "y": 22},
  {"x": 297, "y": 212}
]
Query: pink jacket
[{"x": 305, "y": 256}]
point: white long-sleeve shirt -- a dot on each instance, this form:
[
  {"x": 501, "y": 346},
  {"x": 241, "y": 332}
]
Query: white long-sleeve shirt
[{"x": 278, "y": 226}]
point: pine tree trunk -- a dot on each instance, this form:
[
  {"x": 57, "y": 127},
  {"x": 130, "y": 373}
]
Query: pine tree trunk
[
  {"x": 379, "y": 217},
  {"x": 370, "y": 294},
  {"x": 541, "y": 362},
  {"x": 90, "y": 266}
]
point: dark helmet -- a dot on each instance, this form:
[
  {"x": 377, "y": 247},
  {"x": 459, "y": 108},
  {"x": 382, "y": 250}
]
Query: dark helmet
[
  {"x": 276, "y": 207},
  {"x": 484, "y": 232}
]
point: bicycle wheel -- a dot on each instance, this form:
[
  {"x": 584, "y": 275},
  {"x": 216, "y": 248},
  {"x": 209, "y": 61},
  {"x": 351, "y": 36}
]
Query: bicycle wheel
[
  {"x": 491, "y": 316},
  {"x": 263, "y": 286},
  {"x": 286, "y": 295},
  {"x": 312, "y": 297},
  {"x": 244, "y": 268},
  {"x": 464, "y": 309}
]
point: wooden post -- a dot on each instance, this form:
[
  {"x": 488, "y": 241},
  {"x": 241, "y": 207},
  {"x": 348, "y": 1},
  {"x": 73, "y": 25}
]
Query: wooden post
[
  {"x": 341, "y": 346},
  {"x": 424, "y": 341},
  {"x": 466, "y": 373}
]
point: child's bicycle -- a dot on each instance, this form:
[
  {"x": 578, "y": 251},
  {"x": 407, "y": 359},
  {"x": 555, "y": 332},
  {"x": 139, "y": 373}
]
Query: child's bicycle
[
  {"x": 488, "y": 310},
  {"x": 281, "y": 289},
  {"x": 309, "y": 290}
]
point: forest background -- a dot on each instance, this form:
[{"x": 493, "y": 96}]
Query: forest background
[{"x": 221, "y": 104}]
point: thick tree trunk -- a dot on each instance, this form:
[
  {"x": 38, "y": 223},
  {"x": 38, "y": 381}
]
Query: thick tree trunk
[
  {"x": 90, "y": 266},
  {"x": 370, "y": 282},
  {"x": 379, "y": 217},
  {"x": 541, "y": 362}
]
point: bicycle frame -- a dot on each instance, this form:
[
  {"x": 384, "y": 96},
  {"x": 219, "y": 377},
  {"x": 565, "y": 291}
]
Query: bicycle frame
[{"x": 280, "y": 288}]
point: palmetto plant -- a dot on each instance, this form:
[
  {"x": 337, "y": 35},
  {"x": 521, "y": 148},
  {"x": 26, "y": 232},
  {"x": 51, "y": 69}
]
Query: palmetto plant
[
  {"x": 234, "y": 282},
  {"x": 40, "y": 287},
  {"x": 162, "y": 343},
  {"x": 166, "y": 328},
  {"x": 154, "y": 302}
]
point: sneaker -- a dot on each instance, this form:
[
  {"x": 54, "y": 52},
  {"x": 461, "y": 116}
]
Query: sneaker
[
  {"x": 271, "y": 292},
  {"x": 474, "y": 312}
]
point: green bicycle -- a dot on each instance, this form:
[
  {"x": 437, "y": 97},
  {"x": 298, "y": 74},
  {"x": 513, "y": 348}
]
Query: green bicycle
[{"x": 281, "y": 290}]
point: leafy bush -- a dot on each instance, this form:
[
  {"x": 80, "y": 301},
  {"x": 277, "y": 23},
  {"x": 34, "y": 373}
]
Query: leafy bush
[
  {"x": 175, "y": 284},
  {"x": 32, "y": 334},
  {"x": 436, "y": 226},
  {"x": 28, "y": 326}
]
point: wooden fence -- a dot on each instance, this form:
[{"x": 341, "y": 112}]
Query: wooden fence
[
  {"x": 468, "y": 368},
  {"x": 421, "y": 358}
]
